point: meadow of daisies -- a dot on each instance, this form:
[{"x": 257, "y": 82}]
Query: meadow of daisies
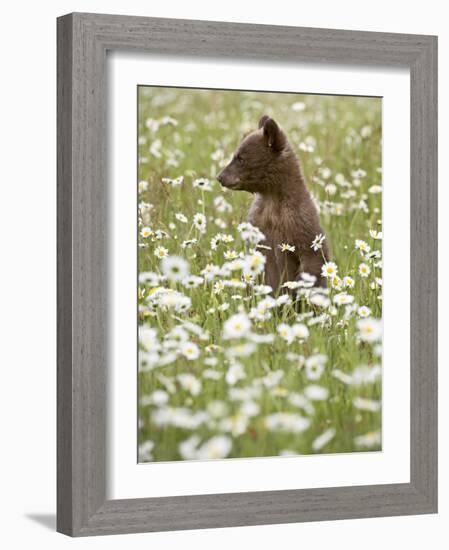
[{"x": 229, "y": 367}]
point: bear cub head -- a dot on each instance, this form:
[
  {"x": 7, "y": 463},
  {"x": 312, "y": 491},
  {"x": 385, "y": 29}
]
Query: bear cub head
[{"x": 260, "y": 159}]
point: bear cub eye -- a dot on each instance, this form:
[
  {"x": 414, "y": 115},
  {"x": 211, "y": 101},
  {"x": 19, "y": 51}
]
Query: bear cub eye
[{"x": 239, "y": 159}]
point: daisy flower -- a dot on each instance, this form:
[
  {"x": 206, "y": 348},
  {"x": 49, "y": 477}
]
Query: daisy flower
[
  {"x": 283, "y": 299},
  {"x": 292, "y": 285},
  {"x": 218, "y": 446},
  {"x": 188, "y": 448},
  {"x": 343, "y": 299},
  {"x": 202, "y": 183},
  {"x": 348, "y": 282},
  {"x": 236, "y": 326},
  {"x": 158, "y": 398},
  {"x": 222, "y": 205},
  {"x": 188, "y": 242},
  {"x": 317, "y": 242},
  {"x": 370, "y": 330},
  {"x": 180, "y": 217},
  {"x": 234, "y": 374},
  {"x": 366, "y": 404},
  {"x": 316, "y": 393},
  {"x": 364, "y": 311},
  {"x": 330, "y": 189},
  {"x": 148, "y": 338},
  {"x": 263, "y": 289},
  {"x": 230, "y": 255},
  {"x": 160, "y": 234},
  {"x": 254, "y": 264},
  {"x": 199, "y": 221},
  {"x": 189, "y": 383},
  {"x": 374, "y": 189},
  {"x": 370, "y": 439},
  {"x": 336, "y": 283},
  {"x": 250, "y": 233},
  {"x": 190, "y": 351},
  {"x": 298, "y": 106},
  {"x": 319, "y": 300},
  {"x": 363, "y": 246},
  {"x": 161, "y": 252},
  {"x": 193, "y": 281},
  {"x": 284, "y": 247},
  {"x": 146, "y": 451},
  {"x": 285, "y": 332},
  {"x": 375, "y": 234},
  {"x": 173, "y": 182},
  {"x": 323, "y": 439},
  {"x": 286, "y": 422},
  {"x": 146, "y": 232},
  {"x": 329, "y": 270},
  {"x": 218, "y": 287},
  {"x": 174, "y": 268},
  {"x": 364, "y": 270},
  {"x": 210, "y": 272},
  {"x": 143, "y": 186},
  {"x": 300, "y": 331}
]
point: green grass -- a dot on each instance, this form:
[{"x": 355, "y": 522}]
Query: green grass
[{"x": 338, "y": 141}]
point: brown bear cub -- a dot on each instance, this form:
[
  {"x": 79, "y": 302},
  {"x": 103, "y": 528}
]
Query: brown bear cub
[{"x": 265, "y": 165}]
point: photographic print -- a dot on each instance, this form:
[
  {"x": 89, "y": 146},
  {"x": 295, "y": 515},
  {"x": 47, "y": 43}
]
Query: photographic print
[{"x": 259, "y": 274}]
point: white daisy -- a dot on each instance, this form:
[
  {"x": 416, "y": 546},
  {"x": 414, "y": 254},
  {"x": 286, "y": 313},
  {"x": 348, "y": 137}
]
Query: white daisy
[
  {"x": 161, "y": 252},
  {"x": 286, "y": 422},
  {"x": 329, "y": 270},
  {"x": 370, "y": 330},
  {"x": 363, "y": 246},
  {"x": 314, "y": 366},
  {"x": 370, "y": 439},
  {"x": 218, "y": 446},
  {"x": 181, "y": 218},
  {"x": 202, "y": 183},
  {"x": 193, "y": 281},
  {"x": 188, "y": 448},
  {"x": 375, "y": 234},
  {"x": 146, "y": 232},
  {"x": 235, "y": 373},
  {"x": 343, "y": 299},
  {"x": 364, "y": 311},
  {"x": 317, "y": 242},
  {"x": 285, "y": 332},
  {"x": 319, "y": 300},
  {"x": 316, "y": 393},
  {"x": 366, "y": 404},
  {"x": 364, "y": 270},
  {"x": 189, "y": 383},
  {"x": 300, "y": 331},
  {"x": 323, "y": 439},
  {"x": 173, "y": 182},
  {"x": 199, "y": 221},
  {"x": 298, "y": 106},
  {"x": 174, "y": 268},
  {"x": 348, "y": 282},
  {"x": 284, "y": 247},
  {"x": 254, "y": 264},
  {"x": 236, "y": 326},
  {"x": 146, "y": 451}
]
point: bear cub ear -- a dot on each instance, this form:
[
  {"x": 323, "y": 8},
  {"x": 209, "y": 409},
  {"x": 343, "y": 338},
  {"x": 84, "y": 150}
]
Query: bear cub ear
[{"x": 273, "y": 135}]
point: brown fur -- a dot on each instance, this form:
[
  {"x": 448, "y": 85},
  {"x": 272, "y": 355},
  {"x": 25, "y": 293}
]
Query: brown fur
[{"x": 265, "y": 165}]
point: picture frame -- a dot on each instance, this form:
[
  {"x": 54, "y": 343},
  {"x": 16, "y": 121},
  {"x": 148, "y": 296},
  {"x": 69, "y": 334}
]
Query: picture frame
[{"x": 83, "y": 41}]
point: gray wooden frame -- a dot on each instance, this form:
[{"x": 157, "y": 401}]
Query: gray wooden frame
[{"x": 83, "y": 40}]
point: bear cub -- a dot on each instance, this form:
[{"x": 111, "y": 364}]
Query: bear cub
[{"x": 266, "y": 166}]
